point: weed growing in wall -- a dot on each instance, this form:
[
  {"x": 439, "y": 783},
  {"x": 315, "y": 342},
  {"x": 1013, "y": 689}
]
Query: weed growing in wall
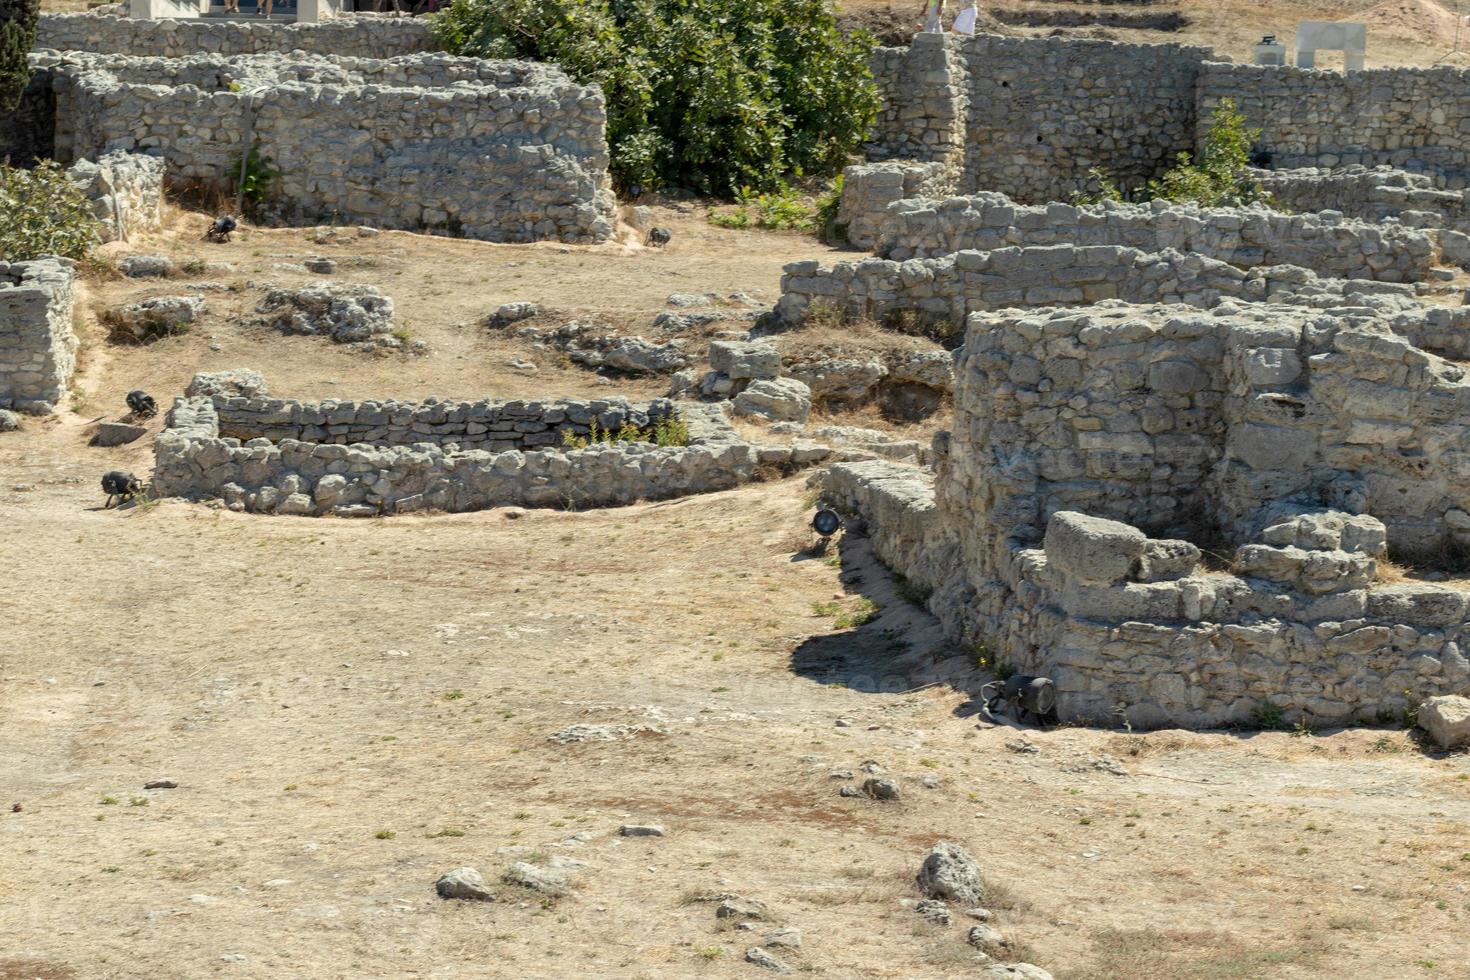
[
  {"x": 43, "y": 213},
  {"x": 671, "y": 430}
]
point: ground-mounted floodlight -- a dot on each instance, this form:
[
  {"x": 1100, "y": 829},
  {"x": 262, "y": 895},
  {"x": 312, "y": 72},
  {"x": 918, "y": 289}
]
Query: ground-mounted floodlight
[
  {"x": 1020, "y": 695},
  {"x": 826, "y": 523}
]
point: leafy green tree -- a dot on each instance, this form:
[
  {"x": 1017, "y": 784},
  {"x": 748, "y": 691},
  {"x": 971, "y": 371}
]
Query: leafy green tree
[
  {"x": 43, "y": 213},
  {"x": 713, "y": 95},
  {"x": 17, "y": 37}
]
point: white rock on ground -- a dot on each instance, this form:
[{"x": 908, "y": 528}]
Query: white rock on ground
[
  {"x": 778, "y": 399},
  {"x": 240, "y": 381},
  {"x": 1447, "y": 720},
  {"x": 951, "y": 873},
  {"x": 464, "y": 883}
]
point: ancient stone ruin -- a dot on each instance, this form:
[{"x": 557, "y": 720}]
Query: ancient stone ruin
[
  {"x": 369, "y": 458},
  {"x": 38, "y": 347},
  {"x": 1192, "y": 448}
]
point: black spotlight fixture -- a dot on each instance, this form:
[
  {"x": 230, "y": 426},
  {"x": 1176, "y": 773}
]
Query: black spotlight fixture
[{"x": 826, "y": 523}]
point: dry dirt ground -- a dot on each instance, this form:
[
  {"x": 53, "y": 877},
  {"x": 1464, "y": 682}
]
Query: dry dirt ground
[
  {"x": 352, "y": 708},
  {"x": 1400, "y": 32}
]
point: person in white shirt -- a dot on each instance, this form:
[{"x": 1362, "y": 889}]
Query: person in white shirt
[{"x": 933, "y": 13}]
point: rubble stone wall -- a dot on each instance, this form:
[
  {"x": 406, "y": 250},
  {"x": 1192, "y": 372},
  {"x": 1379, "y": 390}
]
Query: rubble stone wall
[
  {"x": 38, "y": 347},
  {"x": 347, "y": 37},
  {"x": 1304, "y": 432},
  {"x": 1409, "y": 118},
  {"x": 1029, "y": 117},
  {"x": 126, "y": 191},
  {"x": 946, "y": 290},
  {"x": 496, "y": 150},
  {"x": 1369, "y": 193},
  {"x": 869, "y": 188},
  {"x": 246, "y": 452},
  {"x": 1243, "y": 237}
]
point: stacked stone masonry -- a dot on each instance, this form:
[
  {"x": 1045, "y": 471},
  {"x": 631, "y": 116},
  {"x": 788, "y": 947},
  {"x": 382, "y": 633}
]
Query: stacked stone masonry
[
  {"x": 1244, "y": 237},
  {"x": 1030, "y": 117},
  {"x": 1368, "y": 193},
  {"x": 126, "y": 191},
  {"x": 346, "y": 37},
  {"x": 1091, "y": 448},
  {"x": 949, "y": 288},
  {"x": 38, "y": 347},
  {"x": 373, "y": 458},
  {"x": 497, "y": 150}
]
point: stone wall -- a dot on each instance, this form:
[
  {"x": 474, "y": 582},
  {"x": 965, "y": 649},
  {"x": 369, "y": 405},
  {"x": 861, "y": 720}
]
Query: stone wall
[
  {"x": 1029, "y": 117},
  {"x": 496, "y": 150},
  {"x": 1244, "y": 237},
  {"x": 347, "y": 37},
  {"x": 1410, "y": 118},
  {"x": 244, "y": 452},
  {"x": 1369, "y": 193},
  {"x": 925, "y": 103},
  {"x": 1314, "y": 439},
  {"x": 947, "y": 289},
  {"x": 126, "y": 191},
  {"x": 37, "y": 345},
  {"x": 1044, "y": 111},
  {"x": 869, "y": 188},
  {"x": 496, "y": 426}
]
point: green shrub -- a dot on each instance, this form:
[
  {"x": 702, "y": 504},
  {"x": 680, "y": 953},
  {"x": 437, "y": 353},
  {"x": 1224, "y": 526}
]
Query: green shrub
[
  {"x": 671, "y": 430},
  {"x": 259, "y": 177},
  {"x": 1216, "y": 179},
  {"x": 17, "y": 37},
  {"x": 43, "y": 213},
  {"x": 712, "y": 95}
]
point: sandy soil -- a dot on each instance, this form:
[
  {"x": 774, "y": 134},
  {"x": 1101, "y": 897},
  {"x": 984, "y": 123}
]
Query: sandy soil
[
  {"x": 1400, "y": 32},
  {"x": 352, "y": 708}
]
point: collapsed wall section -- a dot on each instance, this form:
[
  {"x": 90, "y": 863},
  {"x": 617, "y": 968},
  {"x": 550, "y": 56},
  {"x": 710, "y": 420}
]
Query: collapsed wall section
[
  {"x": 1243, "y": 237},
  {"x": 126, "y": 191},
  {"x": 496, "y": 150},
  {"x": 38, "y": 347}
]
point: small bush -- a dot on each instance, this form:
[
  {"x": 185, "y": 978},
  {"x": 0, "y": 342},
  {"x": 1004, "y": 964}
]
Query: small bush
[
  {"x": 143, "y": 329},
  {"x": 259, "y": 179},
  {"x": 43, "y": 213}
]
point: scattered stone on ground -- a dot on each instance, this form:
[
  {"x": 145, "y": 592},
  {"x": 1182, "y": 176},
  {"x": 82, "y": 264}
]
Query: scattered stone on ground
[
  {"x": 346, "y": 313},
  {"x": 641, "y": 830},
  {"x": 766, "y": 960},
  {"x": 546, "y": 881},
  {"x": 1447, "y": 720},
  {"x": 238, "y": 381},
  {"x": 881, "y": 789},
  {"x": 950, "y": 872},
  {"x": 464, "y": 883}
]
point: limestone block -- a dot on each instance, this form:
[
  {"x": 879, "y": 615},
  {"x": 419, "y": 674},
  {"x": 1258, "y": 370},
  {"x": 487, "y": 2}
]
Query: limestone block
[
  {"x": 1093, "y": 550},
  {"x": 1447, "y": 720}
]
